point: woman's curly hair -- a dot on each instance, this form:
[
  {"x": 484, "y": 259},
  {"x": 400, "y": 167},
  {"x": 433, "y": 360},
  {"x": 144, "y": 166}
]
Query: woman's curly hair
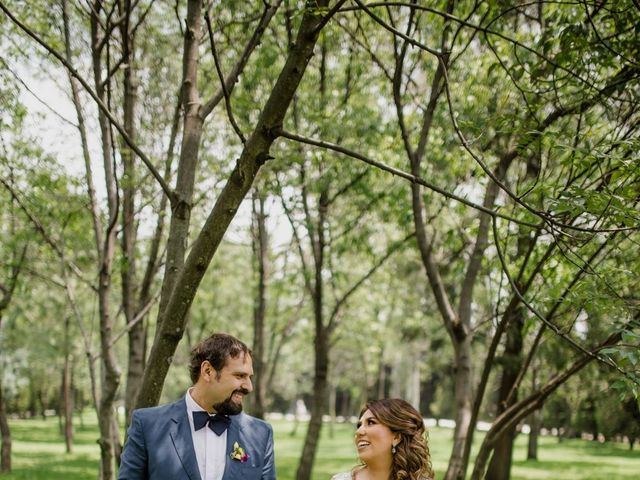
[{"x": 412, "y": 460}]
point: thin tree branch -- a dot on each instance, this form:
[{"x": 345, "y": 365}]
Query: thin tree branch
[
  {"x": 401, "y": 174},
  {"x": 544, "y": 320},
  {"x": 551, "y": 118},
  {"x": 330, "y": 15},
  {"x": 336, "y": 309},
  {"x": 45, "y": 236},
  {"x": 104, "y": 108},
  {"x": 485, "y": 30},
  {"x": 267, "y": 14},
  {"x": 396, "y": 32},
  {"x": 227, "y": 100},
  {"x": 35, "y": 95}
]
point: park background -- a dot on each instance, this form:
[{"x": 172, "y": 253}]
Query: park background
[{"x": 431, "y": 200}]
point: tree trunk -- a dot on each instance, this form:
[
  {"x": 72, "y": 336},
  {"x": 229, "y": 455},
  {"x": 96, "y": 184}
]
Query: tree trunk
[
  {"x": 521, "y": 409},
  {"x": 188, "y": 162},
  {"x": 7, "y": 291},
  {"x": 412, "y": 394},
  {"x": 260, "y": 248},
  {"x": 67, "y": 392},
  {"x": 91, "y": 192},
  {"x": 532, "y": 445},
  {"x": 318, "y": 406},
  {"x": 321, "y": 340},
  {"x": 381, "y": 379},
  {"x": 500, "y": 465},
  {"x": 333, "y": 394},
  {"x": 137, "y": 333},
  {"x": 171, "y": 325},
  {"x": 5, "y": 450},
  {"x": 463, "y": 397},
  {"x": 110, "y": 376},
  {"x": 195, "y": 113}
]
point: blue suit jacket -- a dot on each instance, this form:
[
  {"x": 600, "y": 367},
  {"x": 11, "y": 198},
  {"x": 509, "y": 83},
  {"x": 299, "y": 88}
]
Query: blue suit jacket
[{"x": 159, "y": 447}]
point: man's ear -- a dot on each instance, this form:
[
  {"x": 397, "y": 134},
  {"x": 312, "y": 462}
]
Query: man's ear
[{"x": 206, "y": 371}]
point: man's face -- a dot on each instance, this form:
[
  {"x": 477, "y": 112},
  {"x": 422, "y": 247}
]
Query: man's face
[{"x": 233, "y": 382}]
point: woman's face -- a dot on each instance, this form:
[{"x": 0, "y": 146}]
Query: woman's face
[{"x": 373, "y": 439}]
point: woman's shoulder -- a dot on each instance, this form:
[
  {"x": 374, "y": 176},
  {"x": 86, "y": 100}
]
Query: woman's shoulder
[
  {"x": 352, "y": 475},
  {"x": 342, "y": 476}
]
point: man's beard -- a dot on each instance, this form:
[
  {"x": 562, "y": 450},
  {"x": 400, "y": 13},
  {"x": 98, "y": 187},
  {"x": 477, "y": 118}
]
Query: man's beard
[{"x": 228, "y": 406}]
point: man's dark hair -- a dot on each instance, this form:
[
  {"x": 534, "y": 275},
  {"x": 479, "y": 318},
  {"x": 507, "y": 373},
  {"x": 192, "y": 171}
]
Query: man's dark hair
[{"x": 216, "y": 349}]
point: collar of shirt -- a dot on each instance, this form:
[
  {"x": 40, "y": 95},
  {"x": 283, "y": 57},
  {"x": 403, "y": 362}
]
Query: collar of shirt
[{"x": 192, "y": 406}]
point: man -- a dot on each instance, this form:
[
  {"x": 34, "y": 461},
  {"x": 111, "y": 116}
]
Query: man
[{"x": 204, "y": 435}]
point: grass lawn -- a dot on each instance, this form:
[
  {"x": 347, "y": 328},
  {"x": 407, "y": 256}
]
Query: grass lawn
[{"x": 38, "y": 454}]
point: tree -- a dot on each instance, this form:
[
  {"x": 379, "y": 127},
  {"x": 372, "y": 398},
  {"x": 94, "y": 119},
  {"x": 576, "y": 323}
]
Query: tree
[{"x": 515, "y": 127}]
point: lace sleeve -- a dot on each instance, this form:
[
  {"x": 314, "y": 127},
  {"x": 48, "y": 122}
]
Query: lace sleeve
[{"x": 342, "y": 476}]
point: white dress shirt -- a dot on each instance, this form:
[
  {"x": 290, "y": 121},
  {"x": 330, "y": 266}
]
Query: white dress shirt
[{"x": 210, "y": 448}]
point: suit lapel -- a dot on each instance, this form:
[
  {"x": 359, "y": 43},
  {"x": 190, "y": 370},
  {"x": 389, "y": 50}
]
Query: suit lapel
[
  {"x": 180, "y": 432},
  {"x": 233, "y": 435}
]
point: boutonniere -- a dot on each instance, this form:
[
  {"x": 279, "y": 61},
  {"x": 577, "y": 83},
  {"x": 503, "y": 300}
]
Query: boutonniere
[{"x": 239, "y": 454}]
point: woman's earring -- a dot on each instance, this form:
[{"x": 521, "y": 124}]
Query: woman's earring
[{"x": 393, "y": 449}]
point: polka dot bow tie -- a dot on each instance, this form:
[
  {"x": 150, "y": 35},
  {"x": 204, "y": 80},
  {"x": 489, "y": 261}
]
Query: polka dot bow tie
[{"x": 217, "y": 423}]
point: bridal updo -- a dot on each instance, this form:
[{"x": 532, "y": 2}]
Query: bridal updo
[{"x": 411, "y": 460}]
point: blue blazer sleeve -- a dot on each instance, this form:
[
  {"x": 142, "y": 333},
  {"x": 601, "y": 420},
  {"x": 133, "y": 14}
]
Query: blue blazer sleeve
[
  {"x": 269, "y": 468},
  {"x": 133, "y": 462}
]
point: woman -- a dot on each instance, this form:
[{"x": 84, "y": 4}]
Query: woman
[{"x": 391, "y": 443}]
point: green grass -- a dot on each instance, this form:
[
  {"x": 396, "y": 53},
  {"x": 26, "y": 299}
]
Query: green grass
[{"x": 38, "y": 454}]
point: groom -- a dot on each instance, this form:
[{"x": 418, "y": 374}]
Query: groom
[{"x": 204, "y": 435}]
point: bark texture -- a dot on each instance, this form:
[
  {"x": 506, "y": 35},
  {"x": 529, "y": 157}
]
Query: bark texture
[{"x": 173, "y": 316}]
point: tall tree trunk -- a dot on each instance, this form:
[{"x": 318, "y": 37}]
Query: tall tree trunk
[
  {"x": 521, "y": 409},
  {"x": 413, "y": 379},
  {"x": 173, "y": 314},
  {"x": 137, "y": 332},
  {"x": 7, "y": 291},
  {"x": 321, "y": 339},
  {"x": 260, "y": 249},
  {"x": 91, "y": 192},
  {"x": 110, "y": 374},
  {"x": 189, "y": 153},
  {"x": 462, "y": 397},
  {"x": 535, "y": 421},
  {"x": 500, "y": 465},
  {"x": 67, "y": 390},
  {"x": 5, "y": 449},
  {"x": 512, "y": 362},
  {"x": 456, "y": 323},
  {"x": 318, "y": 406},
  {"x": 333, "y": 394},
  {"x": 381, "y": 378}
]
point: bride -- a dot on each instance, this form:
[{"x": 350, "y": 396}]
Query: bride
[{"x": 391, "y": 443}]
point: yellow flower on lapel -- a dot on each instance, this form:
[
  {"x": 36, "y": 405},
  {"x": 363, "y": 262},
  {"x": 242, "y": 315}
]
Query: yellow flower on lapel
[{"x": 239, "y": 454}]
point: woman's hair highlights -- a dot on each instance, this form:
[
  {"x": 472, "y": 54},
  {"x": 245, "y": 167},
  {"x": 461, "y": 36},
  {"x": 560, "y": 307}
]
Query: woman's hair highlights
[{"x": 412, "y": 460}]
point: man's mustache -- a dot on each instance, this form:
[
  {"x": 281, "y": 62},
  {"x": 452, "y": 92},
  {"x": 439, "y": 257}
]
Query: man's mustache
[{"x": 243, "y": 391}]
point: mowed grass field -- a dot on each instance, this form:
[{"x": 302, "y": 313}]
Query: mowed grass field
[{"x": 39, "y": 454}]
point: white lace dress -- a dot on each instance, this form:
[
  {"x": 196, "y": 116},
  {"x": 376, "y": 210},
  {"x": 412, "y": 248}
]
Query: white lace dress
[{"x": 342, "y": 476}]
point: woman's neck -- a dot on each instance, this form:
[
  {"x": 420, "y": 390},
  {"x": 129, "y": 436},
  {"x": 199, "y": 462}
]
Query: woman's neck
[{"x": 375, "y": 472}]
